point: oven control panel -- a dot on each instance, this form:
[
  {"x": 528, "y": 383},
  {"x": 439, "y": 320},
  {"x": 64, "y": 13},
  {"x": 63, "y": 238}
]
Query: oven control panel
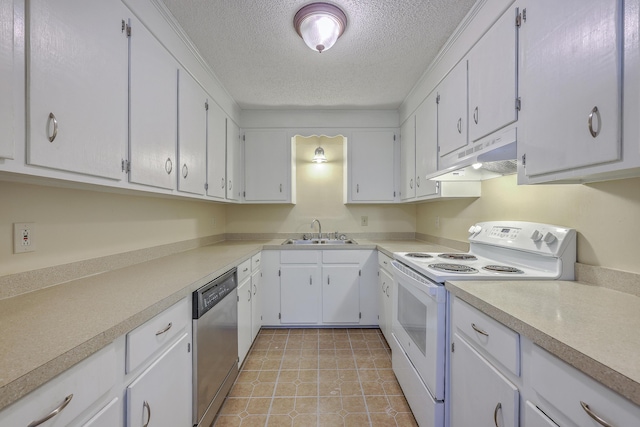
[{"x": 543, "y": 239}]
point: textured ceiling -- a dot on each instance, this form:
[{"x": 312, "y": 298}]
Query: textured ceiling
[{"x": 261, "y": 61}]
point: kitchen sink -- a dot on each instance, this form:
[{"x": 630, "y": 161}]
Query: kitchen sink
[{"x": 319, "y": 242}]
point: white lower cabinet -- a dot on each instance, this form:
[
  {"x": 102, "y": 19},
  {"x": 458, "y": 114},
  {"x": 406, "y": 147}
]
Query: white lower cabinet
[
  {"x": 341, "y": 293},
  {"x": 256, "y": 303},
  {"x": 300, "y": 294},
  {"x": 480, "y": 394},
  {"x": 244, "y": 318},
  {"x": 534, "y": 417},
  {"x": 109, "y": 416},
  {"x": 69, "y": 395},
  {"x": 385, "y": 293},
  {"x": 162, "y": 392}
]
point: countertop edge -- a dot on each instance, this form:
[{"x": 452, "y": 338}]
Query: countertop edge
[{"x": 605, "y": 375}]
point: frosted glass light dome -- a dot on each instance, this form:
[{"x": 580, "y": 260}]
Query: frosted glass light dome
[{"x": 320, "y": 25}]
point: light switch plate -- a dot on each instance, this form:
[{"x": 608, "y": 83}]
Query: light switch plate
[{"x": 23, "y": 237}]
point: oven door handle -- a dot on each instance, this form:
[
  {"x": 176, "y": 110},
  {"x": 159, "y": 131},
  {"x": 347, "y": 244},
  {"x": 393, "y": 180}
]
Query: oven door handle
[{"x": 434, "y": 290}]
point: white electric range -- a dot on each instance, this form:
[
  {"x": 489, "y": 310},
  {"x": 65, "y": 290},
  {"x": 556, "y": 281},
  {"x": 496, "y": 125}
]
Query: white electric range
[{"x": 498, "y": 250}]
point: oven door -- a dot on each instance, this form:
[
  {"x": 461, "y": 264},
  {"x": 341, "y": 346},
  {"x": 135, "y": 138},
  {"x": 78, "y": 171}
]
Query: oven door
[{"x": 419, "y": 325}]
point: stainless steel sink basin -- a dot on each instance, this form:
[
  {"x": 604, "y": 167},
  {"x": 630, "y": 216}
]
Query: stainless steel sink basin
[{"x": 319, "y": 242}]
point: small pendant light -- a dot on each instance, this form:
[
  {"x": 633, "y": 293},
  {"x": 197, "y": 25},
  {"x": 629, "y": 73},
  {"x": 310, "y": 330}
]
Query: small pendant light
[
  {"x": 320, "y": 25},
  {"x": 319, "y": 156}
]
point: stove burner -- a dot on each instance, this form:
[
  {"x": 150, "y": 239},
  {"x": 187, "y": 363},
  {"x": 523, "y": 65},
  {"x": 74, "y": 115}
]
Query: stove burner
[
  {"x": 454, "y": 268},
  {"x": 418, "y": 255},
  {"x": 459, "y": 257},
  {"x": 502, "y": 269}
]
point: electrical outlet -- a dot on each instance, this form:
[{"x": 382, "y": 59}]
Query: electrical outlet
[
  {"x": 437, "y": 222},
  {"x": 23, "y": 237},
  {"x": 364, "y": 221}
]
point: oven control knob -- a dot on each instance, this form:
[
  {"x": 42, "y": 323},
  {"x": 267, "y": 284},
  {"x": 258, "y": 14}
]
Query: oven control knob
[
  {"x": 549, "y": 238},
  {"x": 536, "y": 236},
  {"x": 472, "y": 229}
]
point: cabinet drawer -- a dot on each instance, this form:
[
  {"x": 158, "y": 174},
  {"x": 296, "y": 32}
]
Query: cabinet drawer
[
  {"x": 255, "y": 261},
  {"x": 154, "y": 334},
  {"x": 562, "y": 388},
  {"x": 299, "y": 257},
  {"x": 244, "y": 270},
  {"x": 86, "y": 382},
  {"x": 384, "y": 262},
  {"x": 109, "y": 416},
  {"x": 341, "y": 257},
  {"x": 497, "y": 340}
]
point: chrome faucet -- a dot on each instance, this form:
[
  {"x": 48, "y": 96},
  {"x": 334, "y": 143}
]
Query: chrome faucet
[{"x": 319, "y": 228}]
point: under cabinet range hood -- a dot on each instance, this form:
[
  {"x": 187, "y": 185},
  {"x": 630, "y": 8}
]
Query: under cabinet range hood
[{"x": 489, "y": 157}]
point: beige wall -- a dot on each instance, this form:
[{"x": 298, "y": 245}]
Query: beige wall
[
  {"x": 73, "y": 225},
  {"x": 319, "y": 195},
  {"x": 606, "y": 215}
]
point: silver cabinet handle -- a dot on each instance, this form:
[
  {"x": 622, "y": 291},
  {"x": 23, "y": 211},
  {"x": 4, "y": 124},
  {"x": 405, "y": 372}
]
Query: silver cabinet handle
[
  {"x": 255, "y": 289},
  {"x": 411, "y": 183},
  {"x": 165, "y": 329},
  {"x": 460, "y": 125},
  {"x": 594, "y": 415},
  {"x": 168, "y": 165},
  {"x": 387, "y": 292},
  {"x": 328, "y": 280},
  {"x": 249, "y": 299},
  {"x": 475, "y": 115},
  {"x": 311, "y": 280},
  {"x": 383, "y": 285},
  {"x": 52, "y": 118},
  {"x": 146, "y": 406},
  {"x": 495, "y": 414},
  {"x": 594, "y": 133},
  {"x": 230, "y": 185},
  {"x": 281, "y": 188},
  {"x": 52, "y": 413},
  {"x": 245, "y": 269},
  {"x": 418, "y": 181},
  {"x": 478, "y": 330},
  {"x": 185, "y": 170},
  {"x": 222, "y": 186}
]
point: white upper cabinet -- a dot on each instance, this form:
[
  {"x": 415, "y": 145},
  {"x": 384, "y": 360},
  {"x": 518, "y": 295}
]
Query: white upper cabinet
[
  {"x": 570, "y": 84},
  {"x": 408, "y": 159},
  {"x": 426, "y": 158},
  {"x": 77, "y": 85},
  {"x": 216, "y": 152},
  {"x": 371, "y": 166},
  {"x": 267, "y": 166},
  {"x": 153, "y": 106},
  {"x": 452, "y": 110},
  {"x": 6, "y": 77},
  {"x": 234, "y": 161},
  {"x": 192, "y": 134},
  {"x": 492, "y": 68}
]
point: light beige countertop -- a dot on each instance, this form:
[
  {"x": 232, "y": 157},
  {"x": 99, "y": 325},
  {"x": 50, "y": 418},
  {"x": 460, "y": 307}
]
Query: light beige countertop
[
  {"x": 592, "y": 328},
  {"x": 47, "y": 331}
]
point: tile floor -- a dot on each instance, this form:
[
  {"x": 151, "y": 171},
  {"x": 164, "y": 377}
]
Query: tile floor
[{"x": 317, "y": 377}]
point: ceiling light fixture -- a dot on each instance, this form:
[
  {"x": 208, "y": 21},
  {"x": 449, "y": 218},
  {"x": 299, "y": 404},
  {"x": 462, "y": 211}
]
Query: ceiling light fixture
[
  {"x": 320, "y": 25},
  {"x": 319, "y": 156}
]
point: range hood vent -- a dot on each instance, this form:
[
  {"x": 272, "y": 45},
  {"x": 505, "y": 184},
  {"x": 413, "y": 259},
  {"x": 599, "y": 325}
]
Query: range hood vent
[{"x": 489, "y": 157}]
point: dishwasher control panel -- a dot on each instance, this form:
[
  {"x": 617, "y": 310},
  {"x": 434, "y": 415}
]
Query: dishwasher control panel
[{"x": 213, "y": 292}]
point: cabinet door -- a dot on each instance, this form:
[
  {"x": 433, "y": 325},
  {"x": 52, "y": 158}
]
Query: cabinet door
[
  {"x": 570, "y": 84},
  {"x": 77, "y": 86},
  {"x": 163, "y": 391},
  {"x": 267, "y": 166},
  {"x": 109, "y": 416},
  {"x": 234, "y": 161},
  {"x": 480, "y": 395},
  {"x": 153, "y": 106},
  {"x": 216, "y": 151},
  {"x": 244, "y": 318},
  {"x": 408, "y": 159},
  {"x": 492, "y": 71},
  {"x": 372, "y": 166},
  {"x": 452, "y": 110},
  {"x": 192, "y": 134},
  {"x": 384, "y": 303},
  {"x": 256, "y": 304},
  {"x": 426, "y": 146},
  {"x": 341, "y": 293},
  {"x": 6, "y": 77},
  {"x": 300, "y": 294}
]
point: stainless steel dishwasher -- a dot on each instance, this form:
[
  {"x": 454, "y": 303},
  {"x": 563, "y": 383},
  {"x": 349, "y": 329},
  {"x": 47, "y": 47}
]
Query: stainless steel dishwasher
[{"x": 215, "y": 338}]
